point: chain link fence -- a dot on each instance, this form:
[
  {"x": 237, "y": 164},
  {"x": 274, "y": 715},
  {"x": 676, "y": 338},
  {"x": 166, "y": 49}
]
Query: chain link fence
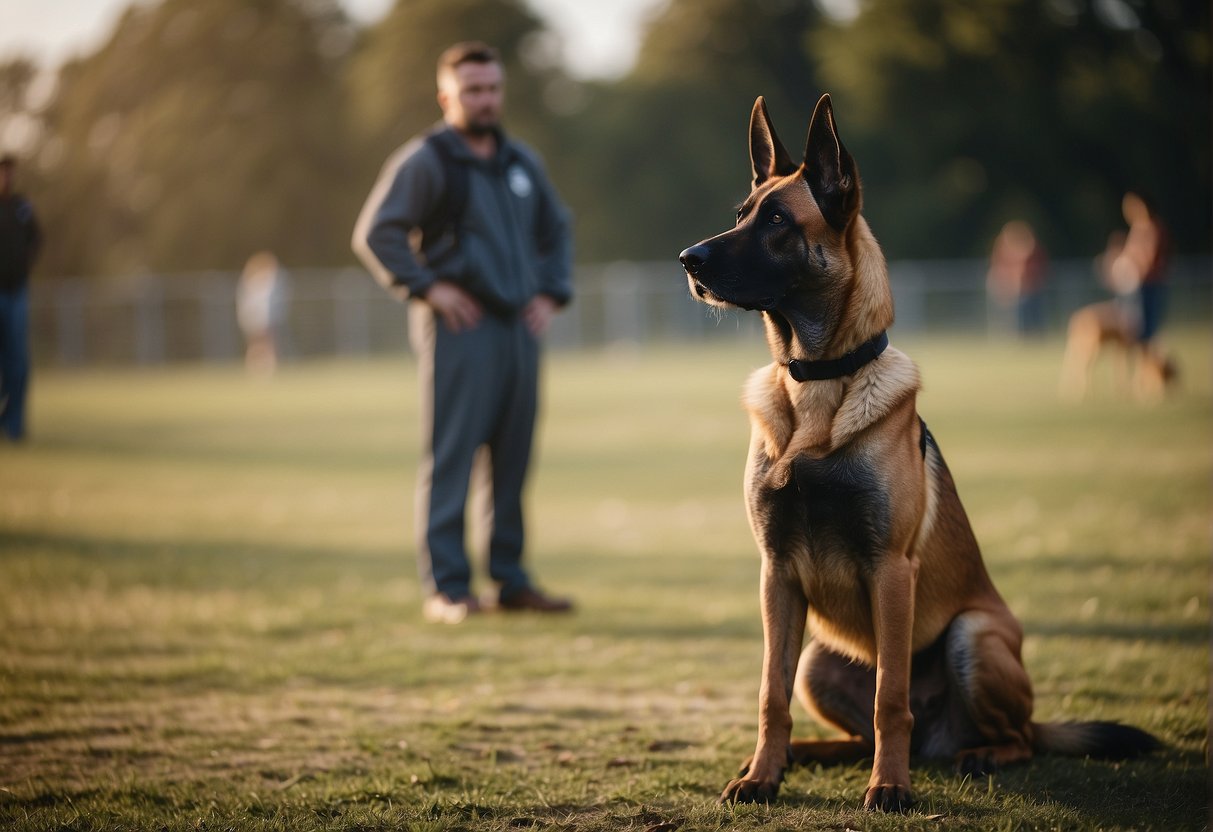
[{"x": 158, "y": 319}]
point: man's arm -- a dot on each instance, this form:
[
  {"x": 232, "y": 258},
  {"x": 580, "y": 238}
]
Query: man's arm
[{"x": 408, "y": 189}]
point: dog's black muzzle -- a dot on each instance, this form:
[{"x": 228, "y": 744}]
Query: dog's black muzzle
[{"x": 717, "y": 288}]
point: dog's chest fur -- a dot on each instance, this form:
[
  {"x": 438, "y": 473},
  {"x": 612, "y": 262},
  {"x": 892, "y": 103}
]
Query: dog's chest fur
[{"x": 816, "y": 487}]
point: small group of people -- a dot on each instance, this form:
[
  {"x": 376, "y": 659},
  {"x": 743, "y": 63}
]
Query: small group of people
[
  {"x": 1133, "y": 267},
  {"x": 464, "y": 224}
]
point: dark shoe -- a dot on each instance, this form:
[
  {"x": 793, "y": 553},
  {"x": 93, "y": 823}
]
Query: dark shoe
[
  {"x": 534, "y": 601},
  {"x": 439, "y": 609}
]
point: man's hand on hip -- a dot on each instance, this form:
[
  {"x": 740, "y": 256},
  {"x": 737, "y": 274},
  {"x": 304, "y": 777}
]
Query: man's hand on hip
[
  {"x": 458, "y": 309},
  {"x": 538, "y": 314}
]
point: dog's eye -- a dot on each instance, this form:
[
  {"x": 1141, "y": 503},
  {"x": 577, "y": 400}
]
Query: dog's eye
[{"x": 776, "y": 219}]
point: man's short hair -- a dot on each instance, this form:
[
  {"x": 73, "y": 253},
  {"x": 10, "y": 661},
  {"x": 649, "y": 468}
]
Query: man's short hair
[{"x": 468, "y": 51}]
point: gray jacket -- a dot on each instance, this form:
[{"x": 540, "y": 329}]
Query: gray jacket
[{"x": 513, "y": 239}]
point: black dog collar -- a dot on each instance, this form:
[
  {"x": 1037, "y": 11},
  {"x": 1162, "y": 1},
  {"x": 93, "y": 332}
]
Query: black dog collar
[{"x": 838, "y": 367}]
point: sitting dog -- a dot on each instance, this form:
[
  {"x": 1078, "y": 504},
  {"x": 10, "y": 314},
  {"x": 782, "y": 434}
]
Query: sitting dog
[{"x": 863, "y": 537}]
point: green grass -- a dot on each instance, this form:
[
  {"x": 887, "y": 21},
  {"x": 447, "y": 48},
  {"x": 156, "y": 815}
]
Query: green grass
[{"x": 209, "y": 615}]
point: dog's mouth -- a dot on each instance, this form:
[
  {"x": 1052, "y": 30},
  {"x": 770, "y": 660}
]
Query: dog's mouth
[
  {"x": 711, "y": 297},
  {"x": 703, "y": 293}
]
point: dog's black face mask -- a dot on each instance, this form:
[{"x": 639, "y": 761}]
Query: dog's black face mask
[
  {"x": 755, "y": 264},
  {"x": 786, "y": 255}
]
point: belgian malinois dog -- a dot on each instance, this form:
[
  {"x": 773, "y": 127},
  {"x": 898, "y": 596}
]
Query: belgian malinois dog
[{"x": 864, "y": 540}]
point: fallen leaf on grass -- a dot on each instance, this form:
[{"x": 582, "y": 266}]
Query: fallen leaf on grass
[
  {"x": 669, "y": 745},
  {"x": 294, "y": 781}
]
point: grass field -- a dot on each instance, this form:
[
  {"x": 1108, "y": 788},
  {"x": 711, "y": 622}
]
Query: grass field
[{"x": 209, "y": 615}]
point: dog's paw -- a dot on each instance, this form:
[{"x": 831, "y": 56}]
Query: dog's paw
[
  {"x": 742, "y": 790},
  {"x": 748, "y": 763},
  {"x": 888, "y": 798},
  {"x": 977, "y": 762}
]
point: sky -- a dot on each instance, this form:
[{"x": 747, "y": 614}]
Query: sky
[{"x": 600, "y": 36}]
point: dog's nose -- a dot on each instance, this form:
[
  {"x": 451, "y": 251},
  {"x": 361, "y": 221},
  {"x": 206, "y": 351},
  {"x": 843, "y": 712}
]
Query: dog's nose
[{"x": 693, "y": 258}]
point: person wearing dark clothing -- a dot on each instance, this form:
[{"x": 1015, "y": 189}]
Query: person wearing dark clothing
[
  {"x": 464, "y": 224},
  {"x": 1146, "y": 253},
  {"x": 20, "y": 238},
  {"x": 1134, "y": 266}
]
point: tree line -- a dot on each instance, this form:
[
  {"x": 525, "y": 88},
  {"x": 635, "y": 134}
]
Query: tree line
[{"x": 204, "y": 130}]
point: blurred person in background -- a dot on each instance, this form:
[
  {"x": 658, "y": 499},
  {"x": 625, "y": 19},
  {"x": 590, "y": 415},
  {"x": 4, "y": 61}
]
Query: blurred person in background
[
  {"x": 20, "y": 239},
  {"x": 261, "y": 299},
  {"x": 1015, "y": 280},
  {"x": 464, "y": 224},
  {"x": 1137, "y": 271}
]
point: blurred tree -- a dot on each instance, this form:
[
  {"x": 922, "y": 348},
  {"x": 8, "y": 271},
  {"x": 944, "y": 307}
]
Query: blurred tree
[
  {"x": 964, "y": 115},
  {"x": 665, "y": 150},
  {"x": 21, "y": 123},
  {"x": 16, "y": 75},
  {"x": 202, "y": 131}
]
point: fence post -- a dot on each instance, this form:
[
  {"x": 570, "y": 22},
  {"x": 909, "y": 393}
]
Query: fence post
[
  {"x": 351, "y": 313},
  {"x": 906, "y": 281},
  {"x": 623, "y": 311},
  {"x": 71, "y": 298},
  {"x": 149, "y": 320},
  {"x": 217, "y": 299}
]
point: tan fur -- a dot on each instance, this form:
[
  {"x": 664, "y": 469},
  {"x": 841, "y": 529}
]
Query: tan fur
[
  {"x": 793, "y": 418},
  {"x": 871, "y": 305},
  {"x": 1109, "y": 327},
  {"x": 825, "y": 422}
]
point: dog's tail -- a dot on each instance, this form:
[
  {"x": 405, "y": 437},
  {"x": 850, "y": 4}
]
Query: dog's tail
[{"x": 1106, "y": 740}]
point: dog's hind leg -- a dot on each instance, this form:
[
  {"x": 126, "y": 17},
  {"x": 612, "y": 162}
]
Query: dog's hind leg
[
  {"x": 837, "y": 691},
  {"x": 983, "y": 655}
]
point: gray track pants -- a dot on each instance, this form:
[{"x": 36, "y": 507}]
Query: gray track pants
[{"x": 479, "y": 390}]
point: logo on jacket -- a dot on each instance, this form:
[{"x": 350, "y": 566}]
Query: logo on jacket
[{"x": 520, "y": 183}]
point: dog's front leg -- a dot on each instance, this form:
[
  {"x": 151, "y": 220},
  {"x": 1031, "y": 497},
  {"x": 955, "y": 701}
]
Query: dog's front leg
[
  {"x": 784, "y": 609},
  {"x": 893, "y": 615}
]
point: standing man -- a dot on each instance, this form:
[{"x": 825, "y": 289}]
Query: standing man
[
  {"x": 464, "y": 223},
  {"x": 20, "y": 238}
]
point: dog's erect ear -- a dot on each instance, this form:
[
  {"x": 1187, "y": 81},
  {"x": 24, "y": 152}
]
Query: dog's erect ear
[
  {"x": 829, "y": 169},
  {"x": 767, "y": 152}
]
